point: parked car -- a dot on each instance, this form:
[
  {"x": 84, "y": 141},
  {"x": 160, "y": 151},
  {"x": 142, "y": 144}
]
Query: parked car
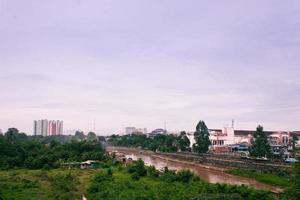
[
  {"x": 291, "y": 160},
  {"x": 262, "y": 159},
  {"x": 245, "y": 157}
]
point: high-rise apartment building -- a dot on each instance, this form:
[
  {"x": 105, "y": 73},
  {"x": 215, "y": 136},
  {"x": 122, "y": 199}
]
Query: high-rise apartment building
[
  {"x": 47, "y": 127},
  {"x": 55, "y": 127}
]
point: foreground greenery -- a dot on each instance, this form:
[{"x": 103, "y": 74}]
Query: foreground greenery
[
  {"x": 140, "y": 182},
  {"x": 44, "y": 184},
  {"x": 281, "y": 179},
  {"x": 132, "y": 183},
  {"x": 114, "y": 181}
]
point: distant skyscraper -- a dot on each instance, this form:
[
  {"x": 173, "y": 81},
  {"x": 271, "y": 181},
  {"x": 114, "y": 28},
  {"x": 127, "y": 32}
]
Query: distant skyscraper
[
  {"x": 40, "y": 127},
  {"x": 130, "y": 130},
  {"x": 55, "y": 127},
  {"x": 47, "y": 128}
]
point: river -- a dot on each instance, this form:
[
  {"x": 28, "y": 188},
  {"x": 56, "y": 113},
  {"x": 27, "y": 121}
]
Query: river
[{"x": 211, "y": 175}]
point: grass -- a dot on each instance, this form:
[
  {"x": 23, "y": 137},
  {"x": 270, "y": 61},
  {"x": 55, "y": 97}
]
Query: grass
[
  {"x": 62, "y": 184},
  {"x": 125, "y": 187},
  {"x": 38, "y": 184},
  {"x": 267, "y": 178}
]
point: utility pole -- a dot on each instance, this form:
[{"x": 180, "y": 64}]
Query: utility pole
[{"x": 94, "y": 125}]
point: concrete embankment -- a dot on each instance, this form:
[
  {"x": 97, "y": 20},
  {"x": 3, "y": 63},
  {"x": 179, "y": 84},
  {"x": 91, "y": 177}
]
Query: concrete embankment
[{"x": 227, "y": 162}]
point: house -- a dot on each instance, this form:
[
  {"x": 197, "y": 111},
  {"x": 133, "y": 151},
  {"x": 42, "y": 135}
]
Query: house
[{"x": 88, "y": 164}]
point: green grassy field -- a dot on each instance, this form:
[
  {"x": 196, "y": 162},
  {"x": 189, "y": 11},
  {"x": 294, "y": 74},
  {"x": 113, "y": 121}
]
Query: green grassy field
[
  {"x": 267, "y": 178},
  {"x": 44, "y": 184}
]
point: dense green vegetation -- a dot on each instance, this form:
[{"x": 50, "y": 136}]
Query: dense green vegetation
[
  {"x": 17, "y": 150},
  {"x": 281, "y": 178},
  {"x": 166, "y": 143},
  {"x": 57, "y": 184},
  {"x": 30, "y": 170},
  {"x": 133, "y": 182},
  {"x": 293, "y": 191},
  {"x": 163, "y": 143},
  {"x": 140, "y": 182}
]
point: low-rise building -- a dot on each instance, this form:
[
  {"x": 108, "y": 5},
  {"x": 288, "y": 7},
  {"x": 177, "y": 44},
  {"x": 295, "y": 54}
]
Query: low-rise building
[
  {"x": 134, "y": 130},
  {"x": 157, "y": 132},
  {"x": 280, "y": 141}
]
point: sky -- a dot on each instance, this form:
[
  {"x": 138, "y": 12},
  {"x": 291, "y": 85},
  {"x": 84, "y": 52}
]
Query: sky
[{"x": 145, "y": 62}]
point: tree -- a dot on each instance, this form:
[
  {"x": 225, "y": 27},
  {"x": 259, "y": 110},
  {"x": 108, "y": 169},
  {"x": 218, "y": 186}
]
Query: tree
[
  {"x": 138, "y": 167},
  {"x": 13, "y": 134},
  {"x": 79, "y": 135},
  {"x": 91, "y": 136},
  {"x": 183, "y": 141},
  {"x": 260, "y": 146},
  {"x": 294, "y": 142},
  {"x": 202, "y": 138}
]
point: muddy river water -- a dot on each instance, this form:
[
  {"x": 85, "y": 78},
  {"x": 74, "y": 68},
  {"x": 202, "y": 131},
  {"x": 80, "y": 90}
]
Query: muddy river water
[{"x": 204, "y": 172}]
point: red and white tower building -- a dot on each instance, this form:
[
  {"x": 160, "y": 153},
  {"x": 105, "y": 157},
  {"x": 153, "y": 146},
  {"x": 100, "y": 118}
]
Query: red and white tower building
[{"x": 48, "y": 127}]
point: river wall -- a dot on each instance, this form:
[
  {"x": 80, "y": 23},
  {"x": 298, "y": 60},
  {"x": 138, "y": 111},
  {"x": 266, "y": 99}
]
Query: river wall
[
  {"x": 216, "y": 160},
  {"x": 228, "y": 162}
]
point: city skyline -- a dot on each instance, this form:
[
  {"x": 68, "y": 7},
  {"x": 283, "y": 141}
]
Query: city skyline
[
  {"x": 45, "y": 127},
  {"x": 146, "y": 62}
]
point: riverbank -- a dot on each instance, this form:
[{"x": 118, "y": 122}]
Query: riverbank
[
  {"x": 279, "y": 179},
  {"x": 208, "y": 173}
]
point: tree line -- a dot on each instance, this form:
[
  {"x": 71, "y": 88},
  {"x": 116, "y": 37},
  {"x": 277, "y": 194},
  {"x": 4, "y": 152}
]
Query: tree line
[
  {"x": 21, "y": 151},
  {"x": 160, "y": 142}
]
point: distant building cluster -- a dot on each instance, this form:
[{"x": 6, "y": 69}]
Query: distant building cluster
[
  {"x": 157, "y": 132},
  {"x": 46, "y": 127},
  {"x": 134, "y": 130},
  {"x": 227, "y": 138}
]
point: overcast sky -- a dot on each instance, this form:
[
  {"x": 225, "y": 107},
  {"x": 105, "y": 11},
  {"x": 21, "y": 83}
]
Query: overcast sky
[{"x": 142, "y": 62}]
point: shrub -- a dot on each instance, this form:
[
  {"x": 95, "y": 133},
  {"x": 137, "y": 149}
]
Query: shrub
[
  {"x": 135, "y": 176},
  {"x": 138, "y": 167}
]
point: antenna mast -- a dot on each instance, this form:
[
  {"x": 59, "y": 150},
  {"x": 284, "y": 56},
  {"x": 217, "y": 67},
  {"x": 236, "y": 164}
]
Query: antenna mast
[{"x": 94, "y": 125}]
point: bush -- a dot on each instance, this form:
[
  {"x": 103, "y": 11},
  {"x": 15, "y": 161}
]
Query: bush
[
  {"x": 152, "y": 172},
  {"x": 135, "y": 176},
  {"x": 64, "y": 186},
  {"x": 138, "y": 167},
  {"x": 103, "y": 177},
  {"x": 184, "y": 176}
]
